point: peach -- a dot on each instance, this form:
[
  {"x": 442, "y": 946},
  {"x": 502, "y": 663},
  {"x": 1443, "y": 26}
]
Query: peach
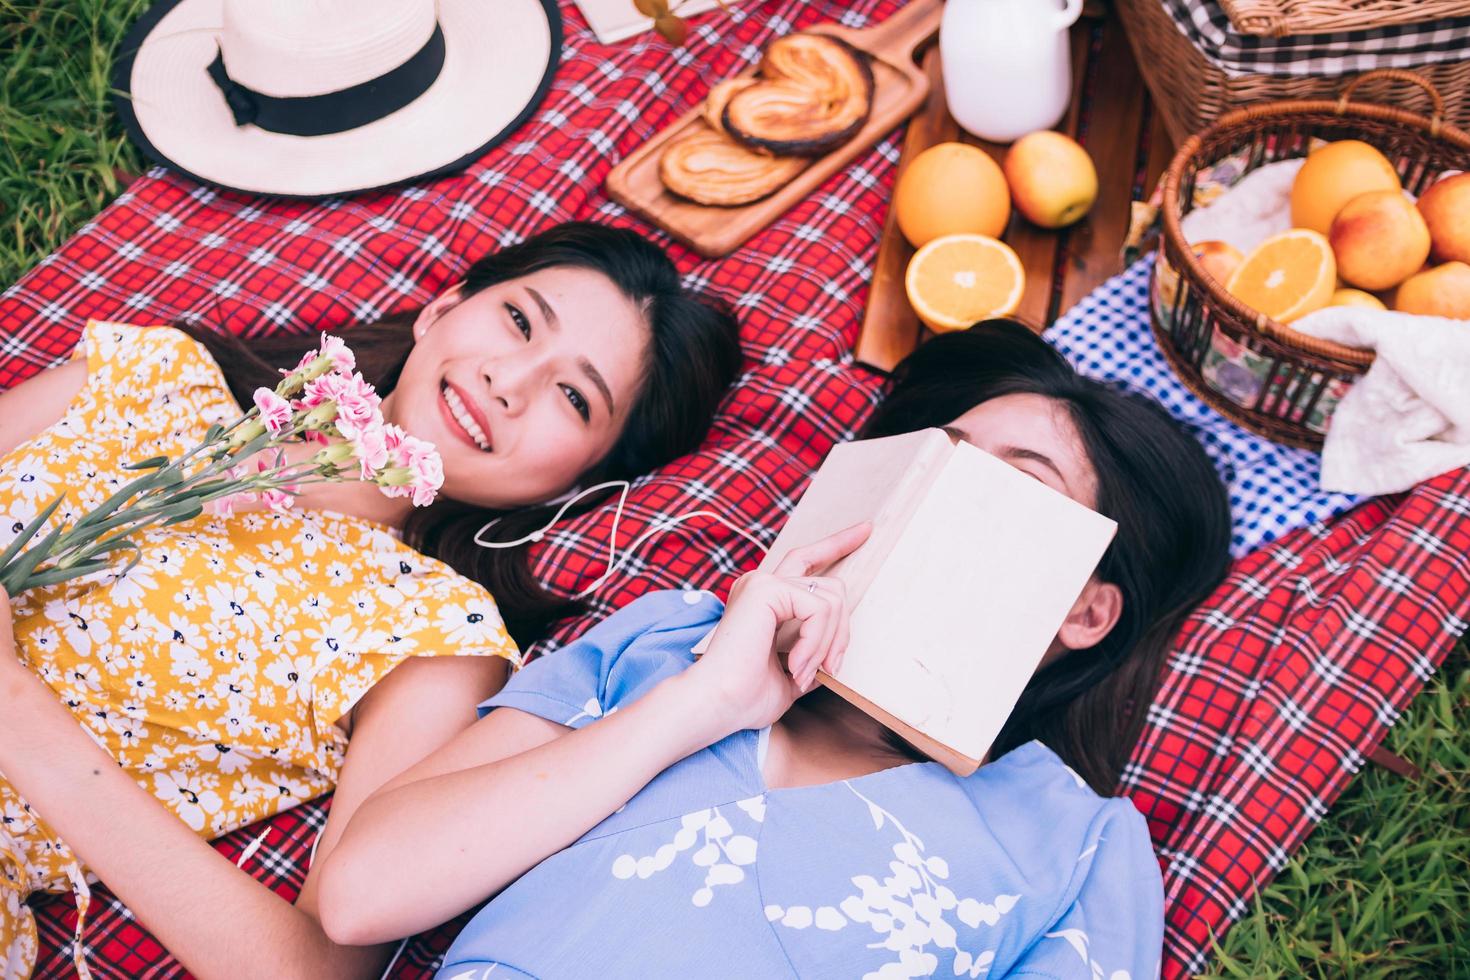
[
  {"x": 1446, "y": 210},
  {"x": 1052, "y": 179},
  {"x": 1219, "y": 259},
  {"x": 1441, "y": 291},
  {"x": 1380, "y": 239}
]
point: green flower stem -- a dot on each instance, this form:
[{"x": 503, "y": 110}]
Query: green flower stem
[
  {"x": 29, "y": 531},
  {"x": 26, "y": 562},
  {"x": 51, "y": 576},
  {"x": 74, "y": 547},
  {"x": 170, "y": 492}
]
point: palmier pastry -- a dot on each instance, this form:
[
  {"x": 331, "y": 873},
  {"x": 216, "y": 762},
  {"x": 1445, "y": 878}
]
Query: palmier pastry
[
  {"x": 709, "y": 168},
  {"x": 816, "y": 94},
  {"x": 820, "y": 62},
  {"x": 714, "y": 103}
]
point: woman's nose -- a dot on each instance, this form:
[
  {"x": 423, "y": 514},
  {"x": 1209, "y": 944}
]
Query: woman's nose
[{"x": 512, "y": 379}]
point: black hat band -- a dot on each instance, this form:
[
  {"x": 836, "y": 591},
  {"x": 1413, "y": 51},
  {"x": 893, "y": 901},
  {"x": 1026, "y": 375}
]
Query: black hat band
[{"x": 333, "y": 112}]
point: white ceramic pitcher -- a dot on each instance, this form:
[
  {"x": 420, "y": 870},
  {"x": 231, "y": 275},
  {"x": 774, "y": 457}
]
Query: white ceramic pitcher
[{"x": 1007, "y": 64}]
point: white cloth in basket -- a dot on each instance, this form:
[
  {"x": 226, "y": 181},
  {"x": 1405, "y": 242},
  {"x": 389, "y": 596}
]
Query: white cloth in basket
[{"x": 1408, "y": 418}]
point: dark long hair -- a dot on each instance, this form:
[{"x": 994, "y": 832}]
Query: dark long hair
[
  {"x": 693, "y": 355},
  {"x": 1154, "y": 479}
]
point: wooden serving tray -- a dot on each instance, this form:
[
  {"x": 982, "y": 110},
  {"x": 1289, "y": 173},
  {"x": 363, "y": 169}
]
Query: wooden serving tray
[
  {"x": 1111, "y": 116},
  {"x": 899, "y": 87}
]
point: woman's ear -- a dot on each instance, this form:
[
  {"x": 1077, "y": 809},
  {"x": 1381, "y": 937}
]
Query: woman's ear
[
  {"x": 1092, "y": 616},
  {"x": 437, "y": 307}
]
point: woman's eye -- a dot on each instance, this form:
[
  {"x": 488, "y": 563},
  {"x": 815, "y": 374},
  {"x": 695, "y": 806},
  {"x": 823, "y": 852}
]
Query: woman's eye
[
  {"x": 578, "y": 402},
  {"x": 1024, "y": 471},
  {"x": 519, "y": 319}
]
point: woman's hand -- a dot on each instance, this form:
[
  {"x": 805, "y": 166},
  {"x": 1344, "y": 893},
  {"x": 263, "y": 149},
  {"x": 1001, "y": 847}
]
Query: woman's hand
[{"x": 741, "y": 676}]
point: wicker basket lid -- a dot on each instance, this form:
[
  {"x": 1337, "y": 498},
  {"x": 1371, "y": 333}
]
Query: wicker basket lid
[{"x": 1281, "y": 18}]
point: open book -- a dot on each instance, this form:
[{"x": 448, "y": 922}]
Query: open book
[{"x": 969, "y": 572}]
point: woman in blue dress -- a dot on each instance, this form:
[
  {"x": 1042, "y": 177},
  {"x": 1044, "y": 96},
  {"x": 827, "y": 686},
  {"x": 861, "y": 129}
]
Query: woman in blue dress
[{"x": 631, "y": 811}]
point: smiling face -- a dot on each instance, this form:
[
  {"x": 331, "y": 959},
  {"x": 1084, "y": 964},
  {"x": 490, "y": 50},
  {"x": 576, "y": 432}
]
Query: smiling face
[{"x": 523, "y": 386}]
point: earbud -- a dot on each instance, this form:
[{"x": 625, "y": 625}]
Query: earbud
[
  {"x": 566, "y": 500},
  {"x": 575, "y": 494}
]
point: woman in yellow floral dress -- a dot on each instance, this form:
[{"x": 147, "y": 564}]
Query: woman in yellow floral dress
[{"x": 223, "y": 674}]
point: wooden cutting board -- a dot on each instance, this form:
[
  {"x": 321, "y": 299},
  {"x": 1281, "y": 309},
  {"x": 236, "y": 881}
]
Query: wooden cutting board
[
  {"x": 1110, "y": 116},
  {"x": 899, "y": 87}
]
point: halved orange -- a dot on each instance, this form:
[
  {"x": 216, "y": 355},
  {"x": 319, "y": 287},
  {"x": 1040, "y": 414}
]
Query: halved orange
[
  {"x": 957, "y": 280},
  {"x": 1287, "y": 276}
]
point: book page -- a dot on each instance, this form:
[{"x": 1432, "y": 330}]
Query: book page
[
  {"x": 878, "y": 480},
  {"x": 969, "y": 598}
]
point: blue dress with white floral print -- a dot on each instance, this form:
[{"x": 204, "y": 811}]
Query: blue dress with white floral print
[{"x": 1017, "y": 870}]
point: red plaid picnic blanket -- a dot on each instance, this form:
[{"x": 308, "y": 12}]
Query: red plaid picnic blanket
[{"x": 1278, "y": 686}]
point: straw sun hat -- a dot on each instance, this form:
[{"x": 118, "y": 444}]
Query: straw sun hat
[{"x": 311, "y": 98}]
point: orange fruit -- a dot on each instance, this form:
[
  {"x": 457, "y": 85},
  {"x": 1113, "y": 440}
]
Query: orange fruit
[
  {"x": 951, "y": 189},
  {"x": 1333, "y": 175},
  {"x": 1356, "y": 297},
  {"x": 1287, "y": 276},
  {"x": 958, "y": 280}
]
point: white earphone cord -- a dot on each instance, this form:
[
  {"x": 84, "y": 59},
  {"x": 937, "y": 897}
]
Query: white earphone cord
[{"x": 662, "y": 525}]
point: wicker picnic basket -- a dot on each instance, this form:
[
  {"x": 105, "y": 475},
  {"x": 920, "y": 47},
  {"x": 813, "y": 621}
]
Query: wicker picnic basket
[
  {"x": 1276, "y": 18},
  {"x": 1190, "y": 91},
  {"x": 1260, "y": 373}
]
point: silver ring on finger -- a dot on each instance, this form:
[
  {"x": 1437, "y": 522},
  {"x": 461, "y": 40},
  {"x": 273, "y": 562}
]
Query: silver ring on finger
[{"x": 811, "y": 587}]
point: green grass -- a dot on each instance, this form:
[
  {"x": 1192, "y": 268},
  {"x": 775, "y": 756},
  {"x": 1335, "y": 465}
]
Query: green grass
[
  {"x": 1381, "y": 889},
  {"x": 61, "y": 148}
]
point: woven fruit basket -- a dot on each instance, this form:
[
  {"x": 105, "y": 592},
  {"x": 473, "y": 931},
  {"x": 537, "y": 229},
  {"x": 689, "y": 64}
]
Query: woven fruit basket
[
  {"x": 1260, "y": 373},
  {"x": 1190, "y": 90}
]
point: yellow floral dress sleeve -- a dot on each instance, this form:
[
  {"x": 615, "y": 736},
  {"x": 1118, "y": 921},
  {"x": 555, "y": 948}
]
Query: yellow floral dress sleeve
[{"x": 150, "y": 391}]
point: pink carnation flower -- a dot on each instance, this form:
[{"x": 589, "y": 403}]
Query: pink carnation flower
[
  {"x": 420, "y": 459},
  {"x": 370, "y": 446},
  {"x": 423, "y": 461},
  {"x": 225, "y": 506},
  {"x": 393, "y": 436},
  {"x": 357, "y": 403},
  {"x": 336, "y": 348},
  {"x": 278, "y": 499},
  {"x": 357, "y": 407},
  {"x": 414, "y": 468},
  {"x": 275, "y": 411},
  {"x": 314, "y": 394}
]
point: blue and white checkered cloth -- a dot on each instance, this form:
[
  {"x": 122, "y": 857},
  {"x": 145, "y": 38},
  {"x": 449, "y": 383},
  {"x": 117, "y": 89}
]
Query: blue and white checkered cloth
[{"x": 1273, "y": 489}]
